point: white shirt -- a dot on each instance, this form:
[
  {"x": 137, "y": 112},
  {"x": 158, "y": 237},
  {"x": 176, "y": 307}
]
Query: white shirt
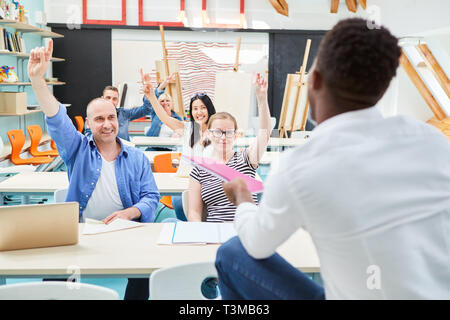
[
  {"x": 105, "y": 198},
  {"x": 374, "y": 194},
  {"x": 197, "y": 150},
  {"x": 165, "y": 131}
]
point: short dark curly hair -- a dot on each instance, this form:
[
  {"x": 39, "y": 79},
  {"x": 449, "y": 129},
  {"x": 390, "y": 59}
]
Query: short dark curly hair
[{"x": 357, "y": 63}]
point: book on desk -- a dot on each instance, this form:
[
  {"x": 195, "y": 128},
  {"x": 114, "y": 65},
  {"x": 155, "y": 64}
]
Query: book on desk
[{"x": 196, "y": 233}]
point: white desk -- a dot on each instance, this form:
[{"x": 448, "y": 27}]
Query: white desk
[
  {"x": 131, "y": 253},
  {"x": 144, "y": 141},
  {"x": 29, "y": 183},
  {"x": 273, "y": 142},
  {"x": 267, "y": 158}
]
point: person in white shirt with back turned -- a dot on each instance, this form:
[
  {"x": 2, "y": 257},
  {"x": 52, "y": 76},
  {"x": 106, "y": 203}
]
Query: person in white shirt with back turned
[{"x": 373, "y": 192}]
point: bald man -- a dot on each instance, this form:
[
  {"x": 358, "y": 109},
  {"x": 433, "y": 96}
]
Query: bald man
[{"x": 108, "y": 179}]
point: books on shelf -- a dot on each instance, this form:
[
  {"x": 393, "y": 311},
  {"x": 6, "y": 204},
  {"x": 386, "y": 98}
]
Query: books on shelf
[{"x": 11, "y": 42}]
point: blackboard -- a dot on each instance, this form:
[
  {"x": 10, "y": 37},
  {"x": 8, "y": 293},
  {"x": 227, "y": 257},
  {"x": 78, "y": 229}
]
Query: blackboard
[
  {"x": 87, "y": 69},
  {"x": 286, "y": 51}
]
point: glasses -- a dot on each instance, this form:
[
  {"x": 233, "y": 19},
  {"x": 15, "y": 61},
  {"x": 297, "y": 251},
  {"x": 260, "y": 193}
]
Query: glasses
[
  {"x": 198, "y": 95},
  {"x": 217, "y": 133}
]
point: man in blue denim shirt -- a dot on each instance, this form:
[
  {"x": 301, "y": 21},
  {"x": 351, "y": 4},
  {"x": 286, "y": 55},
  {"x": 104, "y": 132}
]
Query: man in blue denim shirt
[{"x": 109, "y": 180}]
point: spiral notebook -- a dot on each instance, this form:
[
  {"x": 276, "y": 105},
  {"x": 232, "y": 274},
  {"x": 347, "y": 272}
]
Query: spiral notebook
[{"x": 224, "y": 172}]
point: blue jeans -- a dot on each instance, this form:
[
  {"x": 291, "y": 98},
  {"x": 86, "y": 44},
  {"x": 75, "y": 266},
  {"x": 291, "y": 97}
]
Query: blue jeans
[{"x": 242, "y": 277}]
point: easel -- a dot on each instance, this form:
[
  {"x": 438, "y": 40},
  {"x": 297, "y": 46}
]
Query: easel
[
  {"x": 173, "y": 87},
  {"x": 238, "y": 48},
  {"x": 290, "y": 83}
]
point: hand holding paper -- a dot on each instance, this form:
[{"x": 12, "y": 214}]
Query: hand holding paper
[
  {"x": 237, "y": 191},
  {"x": 225, "y": 172}
]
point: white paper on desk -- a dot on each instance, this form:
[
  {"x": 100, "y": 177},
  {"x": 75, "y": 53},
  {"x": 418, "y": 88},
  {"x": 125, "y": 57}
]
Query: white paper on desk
[
  {"x": 202, "y": 232},
  {"x": 165, "y": 237},
  {"x": 195, "y": 233},
  {"x": 94, "y": 227}
]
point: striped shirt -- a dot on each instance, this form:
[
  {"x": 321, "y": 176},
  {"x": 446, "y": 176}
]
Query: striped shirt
[{"x": 219, "y": 208}]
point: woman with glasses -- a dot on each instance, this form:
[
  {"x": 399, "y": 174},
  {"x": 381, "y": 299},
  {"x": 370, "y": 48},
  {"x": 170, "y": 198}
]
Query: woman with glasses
[{"x": 205, "y": 189}]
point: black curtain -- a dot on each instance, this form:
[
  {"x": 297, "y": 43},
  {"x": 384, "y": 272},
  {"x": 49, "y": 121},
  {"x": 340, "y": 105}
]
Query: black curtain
[
  {"x": 87, "y": 69},
  {"x": 286, "y": 50}
]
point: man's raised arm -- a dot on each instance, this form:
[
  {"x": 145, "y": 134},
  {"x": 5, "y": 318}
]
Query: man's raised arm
[{"x": 37, "y": 68}]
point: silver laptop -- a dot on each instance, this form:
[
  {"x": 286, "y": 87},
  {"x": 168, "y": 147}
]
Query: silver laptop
[{"x": 38, "y": 226}]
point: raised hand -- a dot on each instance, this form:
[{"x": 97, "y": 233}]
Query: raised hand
[
  {"x": 39, "y": 62},
  {"x": 260, "y": 84},
  {"x": 147, "y": 87}
]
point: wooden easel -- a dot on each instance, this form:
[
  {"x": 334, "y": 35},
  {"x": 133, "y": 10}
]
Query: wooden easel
[
  {"x": 173, "y": 87},
  {"x": 238, "y": 48},
  {"x": 291, "y": 83}
]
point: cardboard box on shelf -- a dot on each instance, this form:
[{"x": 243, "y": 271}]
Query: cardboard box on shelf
[{"x": 13, "y": 102}]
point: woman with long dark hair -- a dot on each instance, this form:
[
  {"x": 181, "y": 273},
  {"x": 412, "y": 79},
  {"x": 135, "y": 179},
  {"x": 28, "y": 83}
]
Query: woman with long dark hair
[
  {"x": 196, "y": 143},
  {"x": 200, "y": 108}
]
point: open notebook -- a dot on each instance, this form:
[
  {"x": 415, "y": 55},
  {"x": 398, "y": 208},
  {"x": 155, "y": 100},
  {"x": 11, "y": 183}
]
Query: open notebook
[
  {"x": 92, "y": 226},
  {"x": 196, "y": 233},
  {"x": 224, "y": 172}
]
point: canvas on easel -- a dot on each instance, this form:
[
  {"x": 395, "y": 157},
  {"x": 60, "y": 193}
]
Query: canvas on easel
[
  {"x": 294, "y": 110},
  {"x": 234, "y": 93}
]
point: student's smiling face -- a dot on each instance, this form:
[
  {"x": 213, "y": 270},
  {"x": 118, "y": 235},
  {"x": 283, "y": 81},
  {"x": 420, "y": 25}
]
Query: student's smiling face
[
  {"x": 167, "y": 105},
  {"x": 199, "y": 112},
  {"x": 222, "y": 134},
  {"x": 102, "y": 120}
]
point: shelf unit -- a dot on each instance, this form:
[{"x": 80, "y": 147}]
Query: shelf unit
[
  {"x": 19, "y": 114},
  {"x": 21, "y": 56},
  {"x": 23, "y": 27},
  {"x": 21, "y": 71},
  {"x": 25, "y": 55}
]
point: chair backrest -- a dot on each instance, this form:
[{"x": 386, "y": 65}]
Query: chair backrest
[
  {"x": 80, "y": 123},
  {"x": 35, "y": 133},
  {"x": 185, "y": 204},
  {"x": 17, "y": 140},
  {"x": 182, "y": 282},
  {"x": 56, "y": 290},
  {"x": 60, "y": 195},
  {"x": 163, "y": 162},
  {"x": 53, "y": 145}
]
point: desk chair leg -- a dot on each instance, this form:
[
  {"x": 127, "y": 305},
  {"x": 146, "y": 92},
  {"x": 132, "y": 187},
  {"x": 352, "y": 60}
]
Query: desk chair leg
[{"x": 25, "y": 199}]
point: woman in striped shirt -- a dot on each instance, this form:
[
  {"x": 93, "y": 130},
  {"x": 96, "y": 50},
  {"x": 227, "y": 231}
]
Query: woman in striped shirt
[{"x": 205, "y": 190}]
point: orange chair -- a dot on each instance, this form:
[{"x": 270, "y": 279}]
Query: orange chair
[
  {"x": 163, "y": 163},
  {"x": 17, "y": 140},
  {"x": 80, "y": 123},
  {"x": 53, "y": 145},
  {"x": 35, "y": 133}
]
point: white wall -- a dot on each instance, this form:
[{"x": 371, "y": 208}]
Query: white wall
[
  {"x": 403, "y": 17},
  {"x": 427, "y": 18}
]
